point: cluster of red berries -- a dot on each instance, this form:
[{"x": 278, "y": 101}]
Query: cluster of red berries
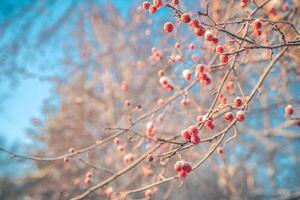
[
  {"x": 156, "y": 54},
  {"x": 88, "y": 178},
  {"x": 208, "y": 122},
  {"x": 153, "y": 7},
  {"x": 202, "y": 74},
  {"x": 191, "y": 134},
  {"x": 183, "y": 168},
  {"x": 128, "y": 158},
  {"x": 256, "y": 25}
]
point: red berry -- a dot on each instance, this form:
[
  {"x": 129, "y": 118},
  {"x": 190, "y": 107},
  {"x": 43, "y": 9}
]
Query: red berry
[
  {"x": 199, "y": 31},
  {"x": 209, "y": 36},
  {"x": 187, "y": 74},
  {"x": 240, "y": 115},
  {"x": 152, "y": 9},
  {"x": 87, "y": 180},
  {"x": 200, "y": 118},
  {"x": 289, "y": 110},
  {"x": 209, "y": 124},
  {"x": 158, "y": 3},
  {"x": 187, "y": 167},
  {"x": 228, "y": 116},
  {"x": 224, "y": 59},
  {"x": 168, "y": 27},
  {"x": 150, "y": 158},
  {"x": 186, "y": 18},
  {"x": 195, "y": 139},
  {"x": 178, "y": 166},
  {"x": 195, "y": 23},
  {"x": 71, "y": 150},
  {"x": 193, "y": 130},
  {"x": 182, "y": 175},
  {"x": 219, "y": 150},
  {"x": 116, "y": 140},
  {"x": 66, "y": 159},
  {"x": 219, "y": 49},
  {"x": 186, "y": 135},
  {"x": 237, "y": 102},
  {"x": 146, "y": 5},
  {"x": 256, "y": 24}
]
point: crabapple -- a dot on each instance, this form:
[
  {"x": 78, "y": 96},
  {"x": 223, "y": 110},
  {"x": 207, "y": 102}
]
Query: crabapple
[
  {"x": 186, "y": 135},
  {"x": 146, "y": 5},
  {"x": 66, "y": 159},
  {"x": 209, "y": 124},
  {"x": 209, "y": 36},
  {"x": 117, "y": 140},
  {"x": 186, "y": 18},
  {"x": 228, "y": 116},
  {"x": 199, "y": 30},
  {"x": 289, "y": 110},
  {"x": 195, "y": 23},
  {"x": 219, "y": 49},
  {"x": 158, "y": 3},
  {"x": 256, "y": 24},
  {"x": 237, "y": 102},
  {"x": 150, "y": 157},
  {"x": 195, "y": 139},
  {"x": 152, "y": 9},
  {"x": 187, "y": 74},
  {"x": 219, "y": 150},
  {"x": 240, "y": 115},
  {"x": 187, "y": 167},
  {"x": 191, "y": 46},
  {"x": 224, "y": 59},
  {"x": 71, "y": 150},
  {"x": 182, "y": 175},
  {"x": 193, "y": 130},
  {"x": 168, "y": 27},
  {"x": 87, "y": 180},
  {"x": 178, "y": 166},
  {"x": 185, "y": 102}
]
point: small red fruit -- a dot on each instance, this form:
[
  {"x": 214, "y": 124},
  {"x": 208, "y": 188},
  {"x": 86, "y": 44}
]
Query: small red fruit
[
  {"x": 152, "y": 9},
  {"x": 199, "y": 31},
  {"x": 228, "y": 116},
  {"x": 256, "y": 24},
  {"x": 186, "y": 135},
  {"x": 187, "y": 74},
  {"x": 224, "y": 59},
  {"x": 219, "y": 49},
  {"x": 186, "y": 18},
  {"x": 168, "y": 27},
  {"x": 182, "y": 175},
  {"x": 187, "y": 167},
  {"x": 240, "y": 115},
  {"x": 146, "y": 5},
  {"x": 237, "y": 102},
  {"x": 219, "y": 150},
  {"x": 195, "y": 139},
  {"x": 178, "y": 166},
  {"x": 289, "y": 110}
]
